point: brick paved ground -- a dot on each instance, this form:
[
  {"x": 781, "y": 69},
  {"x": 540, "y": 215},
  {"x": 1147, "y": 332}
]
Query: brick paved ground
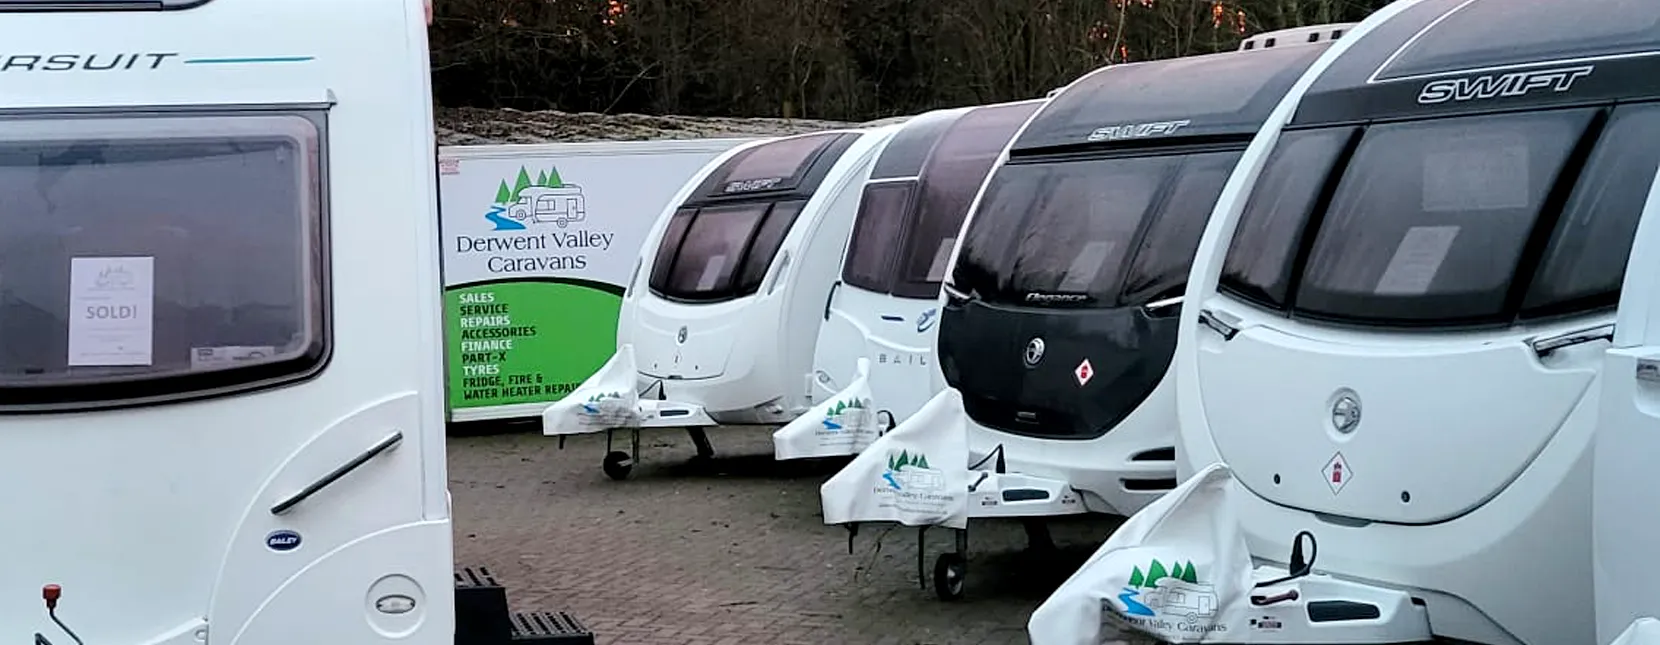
[{"x": 734, "y": 553}]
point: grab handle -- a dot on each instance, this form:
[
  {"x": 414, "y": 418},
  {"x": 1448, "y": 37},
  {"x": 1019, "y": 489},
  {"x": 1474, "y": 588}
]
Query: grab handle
[
  {"x": 381, "y": 446},
  {"x": 831, "y": 299},
  {"x": 1160, "y": 305},
  {"x": 1544, "y": 345},
  {"x": 1209, "y": 319}
]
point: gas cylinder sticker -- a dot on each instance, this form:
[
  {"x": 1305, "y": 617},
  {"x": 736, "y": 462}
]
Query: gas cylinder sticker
[{"x": 1337, "y": 473}]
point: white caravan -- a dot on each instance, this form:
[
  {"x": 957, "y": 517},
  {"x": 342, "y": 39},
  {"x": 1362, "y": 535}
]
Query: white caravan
[
  {"x": 880, "y": 321},
  {"x": 1060, "y": 308},
  {"x": 220, "y": 247},
  {"x": 719, "y": 321},
  {"x": 1399, "y": 318}
]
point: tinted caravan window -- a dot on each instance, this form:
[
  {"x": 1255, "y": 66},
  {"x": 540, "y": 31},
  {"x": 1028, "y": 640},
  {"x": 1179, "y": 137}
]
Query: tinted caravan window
[
  {"x": 712, "y": 249},
  {"x": 159, "y": 258},
  {"x": 1430, "y": 218},
  {"x": 876, "y": 233},
  {"x": 1585, "y": 262},
  {"x": 1270, "y": 230},
  {"x": 950, "y": 181},
  {"x": 1497, "y": 207},
  {"x": 1166, "y": 252},
  {"x": 1063, "y": 232},
  {"x": 721, "y": 251}
]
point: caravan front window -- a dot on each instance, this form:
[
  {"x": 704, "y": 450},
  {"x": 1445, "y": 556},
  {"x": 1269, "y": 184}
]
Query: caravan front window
[
  {"x": 1475, "y": 220},
  {"x": 713, "y": 247},
  {"x": 157, "y": 258},
  {"x": 1430, "y": 219},
  {"x": 720, "y": 252},
  {"x": 1071, "y": 232},
  {"x": 876, "y": 232}
]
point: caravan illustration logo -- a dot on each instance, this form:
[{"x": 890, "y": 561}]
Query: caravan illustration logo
[
  {"x": 908, "y": 472},
  {"x": 608, "y": 410},
  {"x": 1175, "y": 593},
  {"x": 547, "y": 200}
]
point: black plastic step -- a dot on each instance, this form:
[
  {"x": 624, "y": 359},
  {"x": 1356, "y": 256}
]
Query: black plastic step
[
  {"x": 550, "y": 627},
  {"x": 481, "y": 616}
]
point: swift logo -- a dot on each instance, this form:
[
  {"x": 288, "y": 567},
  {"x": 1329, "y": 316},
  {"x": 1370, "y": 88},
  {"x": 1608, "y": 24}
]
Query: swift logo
[
  {"x": 1492, "y": 86},
  {"x": 1138, "y": 130}
]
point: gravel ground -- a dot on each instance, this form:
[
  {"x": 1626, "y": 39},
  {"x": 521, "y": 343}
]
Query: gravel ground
[{"x": 730, "y": 552}]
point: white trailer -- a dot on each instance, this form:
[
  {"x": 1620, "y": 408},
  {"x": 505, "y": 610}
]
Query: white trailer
[{"x": 539, "y": 241}]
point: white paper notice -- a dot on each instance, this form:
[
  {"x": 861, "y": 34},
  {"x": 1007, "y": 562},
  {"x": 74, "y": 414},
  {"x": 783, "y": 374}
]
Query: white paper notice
[
  {"x": 1416, "y": 261},
  {"x": 111, "y": 311}
]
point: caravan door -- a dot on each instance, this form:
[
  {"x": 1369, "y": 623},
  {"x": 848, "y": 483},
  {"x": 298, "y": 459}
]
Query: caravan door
[{"x": 1624, "y": 480}]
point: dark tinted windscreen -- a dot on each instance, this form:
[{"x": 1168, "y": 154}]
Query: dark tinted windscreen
[
  {"x": 1270, "y": 230},
  {"x": 1165, "y": 253},
  {"x": 712, "y": 248},
  {"x": 1490, "y": 33},
  {"x": 950, "y": 181},
  {"x": 876, "y": 234},
  {"x": 1064, "y": 231},
  {"x": 720, "y": 252},
  {"x": 1430, "y": 218},
  {"x": 1585, "y": 262}
]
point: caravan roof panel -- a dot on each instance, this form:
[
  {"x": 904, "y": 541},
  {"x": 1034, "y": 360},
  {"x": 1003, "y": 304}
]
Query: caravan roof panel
[
  {"x": 1226, "y": 94},
  {"x": 904, "y": 154},
  {"x": 794, "y": 164},
  {"x": 1463, "y": 56}
]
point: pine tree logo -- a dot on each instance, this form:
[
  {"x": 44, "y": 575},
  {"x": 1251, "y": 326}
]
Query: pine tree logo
[
  {"x": 507, "y": 196},
  {"x": 544, "y": 179},
  {"x": 1184, "y": 572},
  {"x": 833, "y": 417},
  {"x": 591, "y": 406},
  {"x": 897, "y": 463}
]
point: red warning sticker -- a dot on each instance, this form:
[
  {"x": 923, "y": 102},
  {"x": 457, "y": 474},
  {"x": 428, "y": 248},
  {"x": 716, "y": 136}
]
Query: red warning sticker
[
  {"x": 1337, "y": 473},
  {"x": 1084, "y": 372}
]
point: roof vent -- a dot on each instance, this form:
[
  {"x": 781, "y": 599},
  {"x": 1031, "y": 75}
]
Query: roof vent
[{"x": 1295, "y": 36}]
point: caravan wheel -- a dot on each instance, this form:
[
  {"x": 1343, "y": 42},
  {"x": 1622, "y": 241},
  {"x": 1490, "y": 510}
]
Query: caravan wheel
[
  {"x": 617, "y": 465},
  {"x": 950, "y": 569}
]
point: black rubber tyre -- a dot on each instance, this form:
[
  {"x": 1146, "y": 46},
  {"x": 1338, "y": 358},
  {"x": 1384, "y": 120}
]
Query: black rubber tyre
[
  {"x": 617, "y": 465},
  {"x": 950, "y": 571}
]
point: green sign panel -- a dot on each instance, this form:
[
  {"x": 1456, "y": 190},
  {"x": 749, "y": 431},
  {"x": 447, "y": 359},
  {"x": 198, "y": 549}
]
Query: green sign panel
[{"x": 526, "y": 342}]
